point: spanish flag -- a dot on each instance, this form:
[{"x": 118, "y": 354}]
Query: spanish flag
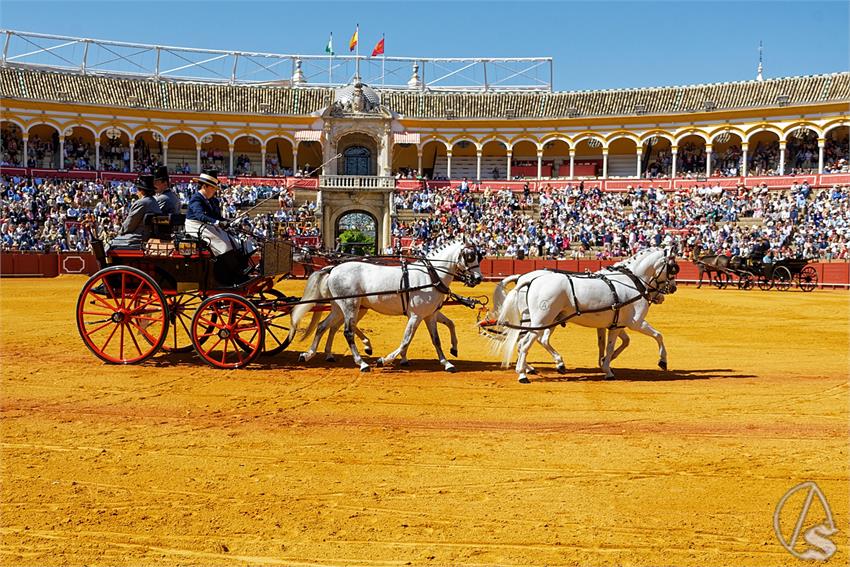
[
  {"x": 379, "y": 48},
  {"x": 353, "y": 43}
]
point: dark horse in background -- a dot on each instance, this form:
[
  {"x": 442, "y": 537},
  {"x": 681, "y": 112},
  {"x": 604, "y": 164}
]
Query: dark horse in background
[{"x": 718, "y": 264}]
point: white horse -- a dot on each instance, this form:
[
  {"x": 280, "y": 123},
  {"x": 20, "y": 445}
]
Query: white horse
[
  {"x": 352, "y": 288},
  {"x": 602, "y": 335},
  {"x": 612, "y": 298},
  {"x": 442, "y": 319}
]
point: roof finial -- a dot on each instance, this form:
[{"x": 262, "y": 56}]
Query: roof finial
[{"x": 761, "y": 67}]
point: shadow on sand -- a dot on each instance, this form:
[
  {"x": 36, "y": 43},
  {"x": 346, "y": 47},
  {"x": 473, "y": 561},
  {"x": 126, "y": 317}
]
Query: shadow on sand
[{"x": 288, "y": 360}]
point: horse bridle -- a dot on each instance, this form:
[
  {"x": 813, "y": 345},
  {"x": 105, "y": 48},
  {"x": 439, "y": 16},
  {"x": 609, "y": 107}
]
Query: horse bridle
[{"x": 471, "y": 258}]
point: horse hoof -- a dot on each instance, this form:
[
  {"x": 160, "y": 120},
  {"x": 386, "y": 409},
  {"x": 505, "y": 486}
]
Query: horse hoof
[
  {"x": 524, "y": 380},
  {"x": 365, "y": 368},
  {"x": 609, "y": 377},
  {"x": 531, "y": 370},
  {"x": 368, "y": 350},
  {"x": 302, "y": 357},
  {"x": 453, "y": 352},
  {"x": 662, "y": 364},
  {"x": 561, "y": 369},
  {"x": 330, "y": 359},
  {"x": 404, "y": 363},
  {"x": 451, "y": 369},
  {"x": 379, "y": 362}
]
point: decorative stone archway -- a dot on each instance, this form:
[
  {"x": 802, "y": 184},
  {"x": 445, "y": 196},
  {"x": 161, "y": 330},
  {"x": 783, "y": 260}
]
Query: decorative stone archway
[{"x": 336, "y": 202}]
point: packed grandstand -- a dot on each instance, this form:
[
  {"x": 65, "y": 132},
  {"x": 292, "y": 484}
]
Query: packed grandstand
[{"x": 594, "y": 174}]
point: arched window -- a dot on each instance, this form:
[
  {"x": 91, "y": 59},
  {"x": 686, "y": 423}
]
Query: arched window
[{"x": 357, "y": 160}]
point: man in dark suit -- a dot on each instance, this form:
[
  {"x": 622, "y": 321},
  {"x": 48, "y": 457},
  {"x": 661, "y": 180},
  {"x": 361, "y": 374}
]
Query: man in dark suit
[
  {"x": 134, "y": 231},
  {"x": 205, "y": 221},
  {"x": 168, "y": 200}
]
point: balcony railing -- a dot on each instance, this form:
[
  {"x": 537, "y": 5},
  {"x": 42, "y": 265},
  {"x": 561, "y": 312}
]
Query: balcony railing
[{"x": 356, "y": 182}]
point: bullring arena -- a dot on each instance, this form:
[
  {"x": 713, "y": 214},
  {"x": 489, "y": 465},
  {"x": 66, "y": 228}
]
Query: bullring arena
[{"x": 284, "y": 462}]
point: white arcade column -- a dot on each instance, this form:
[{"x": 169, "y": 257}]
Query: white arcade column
[
  {"x": 821, "y": 142},
  {"x": 572, "y": 163},
  {"x": 478, "y": 164},
  {"x": 539, "y": 164},
  {"x": 449, "y": 164},
  {"x": 508, "y": 175},
  {"x": 674, "y": 151},
  {"x": 230, "y": 160},
  {"x": 61, "y": 152},
  {"x": 639, "y": 160},
  {"x": 605, "y": 164},
  {"x": 744, "y": 148},
  {"x": 782, "y": 157},
  {"x": 97, "y": 155},
  {"x": 708, "y": 151}
]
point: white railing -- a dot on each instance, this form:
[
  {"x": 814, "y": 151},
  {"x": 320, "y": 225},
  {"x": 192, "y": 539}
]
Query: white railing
[{"x": 356, "y": 182}]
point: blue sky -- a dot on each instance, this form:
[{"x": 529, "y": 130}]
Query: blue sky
[{"x": 595, "y": 45}]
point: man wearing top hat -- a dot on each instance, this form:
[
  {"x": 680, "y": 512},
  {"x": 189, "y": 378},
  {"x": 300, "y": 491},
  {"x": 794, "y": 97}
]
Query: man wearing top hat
[
  {"x": 168, "y": 201},
  {"x": 133, "y": 230},
  {"x": 205, "y": 221}
]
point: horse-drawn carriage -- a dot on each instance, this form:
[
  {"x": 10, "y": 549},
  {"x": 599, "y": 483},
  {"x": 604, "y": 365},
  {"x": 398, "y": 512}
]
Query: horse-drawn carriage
[
  {"x": 746, "y": 272},
  {"x": 165, "y": 295}
]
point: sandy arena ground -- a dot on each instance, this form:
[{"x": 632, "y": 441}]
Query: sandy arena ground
[{"x": 174, "y": 463}]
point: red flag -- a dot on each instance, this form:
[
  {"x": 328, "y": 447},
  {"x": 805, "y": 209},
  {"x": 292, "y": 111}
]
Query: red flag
[{"x": 379, "y": 48}]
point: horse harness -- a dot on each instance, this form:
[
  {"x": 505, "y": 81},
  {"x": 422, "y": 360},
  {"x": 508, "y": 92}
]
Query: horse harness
[
  {"x": 405, "y": 289},
  {"x": 616, "y": 306}
]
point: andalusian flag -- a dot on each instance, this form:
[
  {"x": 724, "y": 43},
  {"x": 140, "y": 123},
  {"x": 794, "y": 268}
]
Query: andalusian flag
[
  {"x": 379, "y": 48},
  {"x": 353, "y": 43},
  {"x": 329, "y": 48}
]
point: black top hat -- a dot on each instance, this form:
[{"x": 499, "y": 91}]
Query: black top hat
[
  {"x": 145, "y": 184},
  {"x": 160, "y": 173}
]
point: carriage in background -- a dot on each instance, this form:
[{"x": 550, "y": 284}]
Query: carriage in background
[
  {"x": 165, "y": 296},
  {"x": 747, "y": 272}
]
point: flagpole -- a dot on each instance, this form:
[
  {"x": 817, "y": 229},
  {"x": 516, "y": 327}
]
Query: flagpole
[
  {"x": 331, "y": 60},
  {"x": 357, "y": 53},
  {"x": 383, "y": 63}
]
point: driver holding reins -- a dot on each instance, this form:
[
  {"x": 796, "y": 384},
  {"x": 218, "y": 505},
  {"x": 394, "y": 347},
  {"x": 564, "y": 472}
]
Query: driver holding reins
[{"x": 205, "y": 221}]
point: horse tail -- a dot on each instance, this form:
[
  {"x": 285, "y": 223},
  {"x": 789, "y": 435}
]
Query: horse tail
[
  {"x": 499, "y": 294},
  {"x": 509, "y": 314},
  {"x": 316, "y": 288}
]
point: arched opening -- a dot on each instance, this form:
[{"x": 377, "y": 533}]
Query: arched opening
[
  {"x": 464, "y": 160},
  {"x": 836, "y": 150},
  {"x": 147, "y": 151},
  {"x": 279, "y": 157},
  {"x": 182, "y": 155},
  {"x": 405, "y": 163},
  {"x": 43, "y": 146},
  {"x": 763, "y": 154},
  {"x": 690, "y": 158},
  {"x": 310, "y": 159},
  {"x": 114, "y": 150},
  {"x": 801, "y": 151},
  {"x": 588, "y": 161},
  {"x": 215, "y": 153},
  {"x": 356, "y": 233},
  {"x": 557, "y": 153},
  {"x": 12, "y": 139},
  {"x": 622, "y": 158},
  {"x": 524, "y": 159},
  {"x": 434, "y": 160},
  {"x": 726, "y": 155},
  {"x": 657, "y": 157},
  {"x": 494, "y": 160},
  {"x": 79, "y": 148},
  {"x": 247, "y": 156},
  {"x": 359, "y": 154}
]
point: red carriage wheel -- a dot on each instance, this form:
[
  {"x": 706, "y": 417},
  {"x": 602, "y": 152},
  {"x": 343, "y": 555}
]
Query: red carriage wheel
[
  {"x": 122, "y": 316},
  {"x": 227, "y": 331},
  {"x": 270, "y": 303},
  {"x": 782, "y": 278},
  {"x": 181, "y": 309},
  {"x": 807, "y": 279}
]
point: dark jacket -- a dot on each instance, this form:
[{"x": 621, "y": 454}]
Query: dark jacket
[
  {"x": 135, "y": 221},
  {"x": 169, "y": 202},
  {"x": 204, "y": 210}
]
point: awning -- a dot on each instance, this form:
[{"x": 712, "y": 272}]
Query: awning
[
  {"x": 308, "y": 136},
  {"x": 406, "y": 138}
]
